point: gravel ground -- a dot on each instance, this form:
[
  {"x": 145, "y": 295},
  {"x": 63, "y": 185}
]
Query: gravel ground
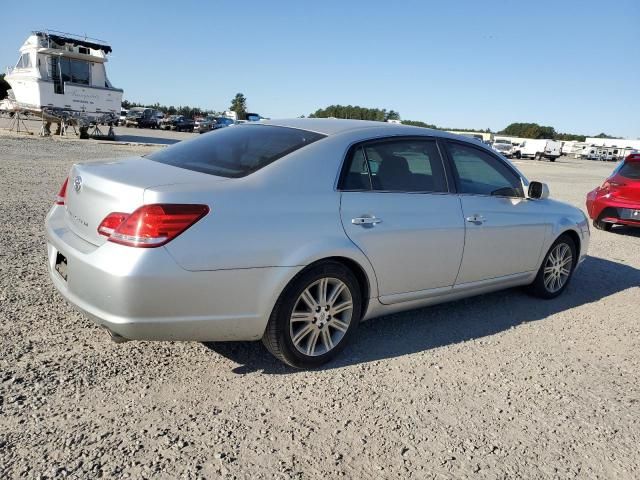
[{"x": 497, "y": 386}]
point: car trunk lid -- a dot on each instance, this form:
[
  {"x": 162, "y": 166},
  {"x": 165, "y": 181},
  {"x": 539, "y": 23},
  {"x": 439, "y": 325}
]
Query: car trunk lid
[{"x": 99, "y": 188}]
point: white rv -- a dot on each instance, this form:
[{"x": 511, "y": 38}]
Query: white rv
[
  {"x": 60, "y": 76},
  {"x": 540, "y": 148},
  {"x": 567, "y": 147}
]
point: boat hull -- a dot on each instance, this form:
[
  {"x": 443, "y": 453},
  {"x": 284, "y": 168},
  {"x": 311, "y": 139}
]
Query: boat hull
[{"x": 38, "y": 94}]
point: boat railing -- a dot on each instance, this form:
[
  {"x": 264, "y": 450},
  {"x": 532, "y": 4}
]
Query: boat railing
[{"x": 73, "y": 36}]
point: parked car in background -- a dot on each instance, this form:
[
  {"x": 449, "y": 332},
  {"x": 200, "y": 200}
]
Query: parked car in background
[
  {"x": 142, "y": 117},
  {"x": 354, "y": 219},
  {"x": 222, "y": 122},
  {"x": 617, "y": 201},
  {"x": 159, "y": 117},
  {"x": 516, "y": 151},
  {"x": 503, "y": 146},
  {"x": 202, "y": 125},
  {"x": 182, "y": 124},
  {"x": 212, "y": 123},
  {"x": 123, "y": 116},
  {"x": 178, "y": 123},
  {"x": 539, "y": 149},
  {"x": 167, "y": 122}
]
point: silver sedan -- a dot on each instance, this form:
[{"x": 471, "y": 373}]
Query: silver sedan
[{"x": 294, "y": 231}]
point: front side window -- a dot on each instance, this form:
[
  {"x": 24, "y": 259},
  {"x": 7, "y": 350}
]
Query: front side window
[
  {"x": 235, "y": 152},
  {"x": 396, "y": 166},
  {"x": 480, "y": 173},
  {"x": 24, "y": 61}
]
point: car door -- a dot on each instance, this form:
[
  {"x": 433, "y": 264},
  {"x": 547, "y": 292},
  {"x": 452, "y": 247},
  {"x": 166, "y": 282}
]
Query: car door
[
  {"x": 395, "y": 206},
  {"x": 505, "y": 231}
]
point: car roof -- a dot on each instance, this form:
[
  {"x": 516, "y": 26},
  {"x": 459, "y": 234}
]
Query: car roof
[{"x": 334, "y": 126}]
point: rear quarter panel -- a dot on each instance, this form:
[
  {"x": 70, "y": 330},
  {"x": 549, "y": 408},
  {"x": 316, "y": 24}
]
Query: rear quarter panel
[{"x": 285, "y": 215}]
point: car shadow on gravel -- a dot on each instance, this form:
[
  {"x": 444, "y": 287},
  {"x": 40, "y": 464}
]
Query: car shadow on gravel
[
  {"x": 450, "y": 323},
  {"x": 626, "y": 231}
]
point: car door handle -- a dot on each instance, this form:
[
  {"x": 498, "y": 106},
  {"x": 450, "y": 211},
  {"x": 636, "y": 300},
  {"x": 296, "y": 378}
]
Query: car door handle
[
  {"x": 476, "y": 219},
  {"x": 366, "y": 221}
]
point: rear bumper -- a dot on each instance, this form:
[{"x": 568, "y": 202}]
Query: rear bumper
[
  {"x": 610, "y": 209},
  {"x": 143, "y": 294}
]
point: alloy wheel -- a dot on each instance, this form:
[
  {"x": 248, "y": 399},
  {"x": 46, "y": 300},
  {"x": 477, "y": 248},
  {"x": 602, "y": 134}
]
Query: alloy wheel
[
  {"x": 321, "y": 316},
  {"x": 557, "y": 268}
]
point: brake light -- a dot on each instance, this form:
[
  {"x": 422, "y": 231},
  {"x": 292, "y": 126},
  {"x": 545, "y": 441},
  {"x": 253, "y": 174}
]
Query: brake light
[
  {"x": 111, "y": 222},
  {"x": 610, "y": 185},
  {"x": 62, "y": 194},
  {"x": 151, "y": 225}
]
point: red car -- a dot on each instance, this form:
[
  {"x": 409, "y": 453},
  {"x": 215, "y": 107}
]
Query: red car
[{"x": 617, "y": 201}]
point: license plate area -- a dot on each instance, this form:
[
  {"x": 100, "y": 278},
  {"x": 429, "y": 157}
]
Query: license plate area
[
  {"x": 630, "y": 214},
  {"x": 61, "y": 265}
]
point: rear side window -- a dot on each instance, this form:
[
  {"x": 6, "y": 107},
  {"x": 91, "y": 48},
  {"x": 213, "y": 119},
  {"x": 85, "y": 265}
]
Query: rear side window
[
  {"x": 235, "y": 151},
  {"x": 630, "y": 170},
  {"x": 396, "y": 166}
]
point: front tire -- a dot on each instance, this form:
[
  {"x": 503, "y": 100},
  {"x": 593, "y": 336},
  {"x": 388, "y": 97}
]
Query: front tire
[
  {"x": 315, "y": 316},
  {"x": 556, "y": 270}
]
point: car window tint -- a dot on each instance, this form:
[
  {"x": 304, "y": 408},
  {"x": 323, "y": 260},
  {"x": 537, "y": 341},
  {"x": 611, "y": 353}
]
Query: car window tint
[
  {"x": 480, "y": 173},
  {"x": 406, "y": 166},
  {"x": 235, "y": 152},
  {"x": 357, "y": 175}
]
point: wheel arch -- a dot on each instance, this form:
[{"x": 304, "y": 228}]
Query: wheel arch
[
  {"x": 365, "y": 277},
  {"x": 360, "y": 274},
  {"x": 576, "y": 239}
]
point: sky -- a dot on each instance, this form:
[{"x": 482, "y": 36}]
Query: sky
[{"x": 573, "y": 65}]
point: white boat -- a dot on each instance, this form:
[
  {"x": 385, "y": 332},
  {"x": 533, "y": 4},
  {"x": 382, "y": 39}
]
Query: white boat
[{"x": 62, "y": 77}]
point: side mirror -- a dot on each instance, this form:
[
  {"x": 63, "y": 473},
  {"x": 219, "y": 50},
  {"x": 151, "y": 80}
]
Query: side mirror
[{"x": 538, "y": 190}]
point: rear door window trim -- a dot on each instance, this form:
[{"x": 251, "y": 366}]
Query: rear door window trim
[{"x": 396, "y": 138}]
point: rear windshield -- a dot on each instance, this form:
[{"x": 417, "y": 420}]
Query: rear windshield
[
  {"x": 235, "y": 151},
  {"x": 630, "y": 170}
]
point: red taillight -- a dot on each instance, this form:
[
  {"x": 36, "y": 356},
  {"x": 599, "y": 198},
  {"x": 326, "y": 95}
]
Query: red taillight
[
  {"x": 62, "y": 194},
  {"x": 151, "y": 225},
  {"x": 111, "y": 222},
  {"x": 611, "y": 185}
]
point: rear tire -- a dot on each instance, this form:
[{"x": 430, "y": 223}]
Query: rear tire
[
  {"x": 600, "y": 225},
  {"x": 556, "y": 270},
  {"x": 315, "y": 316}
]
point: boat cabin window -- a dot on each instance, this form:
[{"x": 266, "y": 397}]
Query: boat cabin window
[
  {"x": 24, "y": 61},
  {"x": 75, "y": 71}
]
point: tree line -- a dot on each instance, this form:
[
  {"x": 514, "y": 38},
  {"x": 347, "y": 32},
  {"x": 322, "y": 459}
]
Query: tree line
[
  {"x": 238, "y": 105},
  {"x": 356, "y": 113},
  {"x": 525, "y": 130}
]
